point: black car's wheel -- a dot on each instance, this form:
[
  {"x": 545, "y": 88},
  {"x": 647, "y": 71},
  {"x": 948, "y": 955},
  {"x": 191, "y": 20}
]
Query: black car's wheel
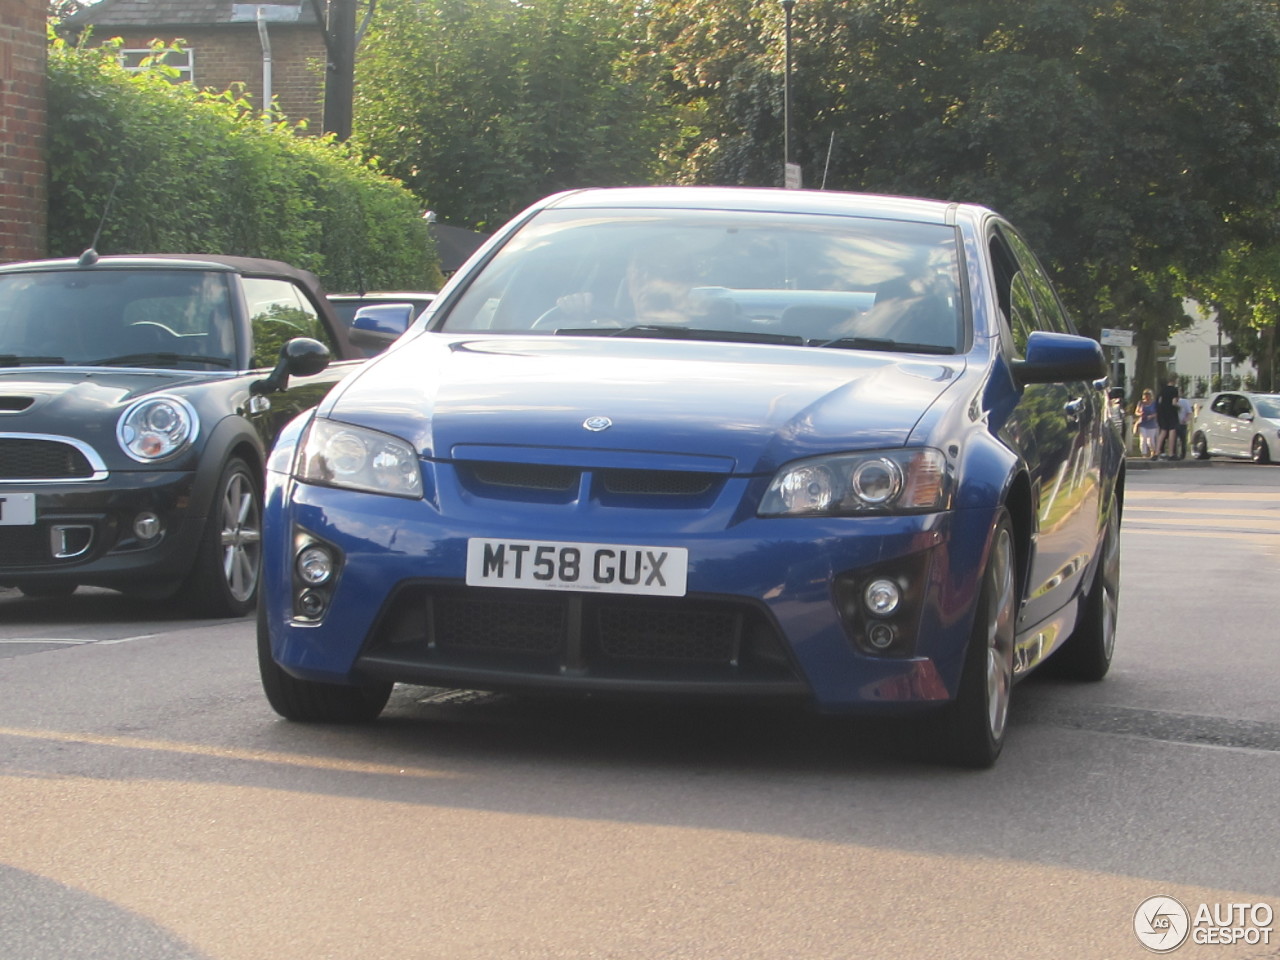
[
  {"x": 224, "y": 580},
  {"x": 970, "y": 732},
  {"x": 1260, "y": 452},
  {"x": 1086, "y": 654},
  {"x": 308, "y": 701},
  {"x": 1200, "y": 447},
  {"x": 47, "y": 590}
]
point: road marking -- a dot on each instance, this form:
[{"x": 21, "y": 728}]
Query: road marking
[{"x": 224, "y": 753}]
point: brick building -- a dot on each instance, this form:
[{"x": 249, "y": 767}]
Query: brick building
[
  {"x": 23, "y": 176},
  {"x": 223, "y": 45}
]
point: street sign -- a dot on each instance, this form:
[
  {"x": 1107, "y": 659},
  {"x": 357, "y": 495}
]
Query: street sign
[{"x": 1116, "y": 338}]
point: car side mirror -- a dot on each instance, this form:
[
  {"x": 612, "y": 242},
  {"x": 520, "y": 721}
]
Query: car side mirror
[
  {"x": 379, "y": 325},
  {"x": 1247, "y": 417},
  {"x": 1059, "y": 358},
  {"x": 299, "y": 357}
]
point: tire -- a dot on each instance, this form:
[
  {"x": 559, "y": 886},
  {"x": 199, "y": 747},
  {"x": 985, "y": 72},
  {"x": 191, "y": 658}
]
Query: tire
[
  {"x": 224, "y": 580},
  {"x": 1259, "y": 452},
  {"x": 1086, "y": 654},
  {"x": 47, "y": 591},
  {"x": 970, "y": 731},
  {"x": 1199, "y": 447},
  {"x": 308, "y": 701}
]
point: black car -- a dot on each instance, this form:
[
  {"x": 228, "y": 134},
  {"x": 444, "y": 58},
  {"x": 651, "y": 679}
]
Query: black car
[{"x": 139, "y": 396}]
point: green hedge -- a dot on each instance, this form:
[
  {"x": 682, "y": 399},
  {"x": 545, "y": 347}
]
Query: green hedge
[{"x": 195, "y": 173}]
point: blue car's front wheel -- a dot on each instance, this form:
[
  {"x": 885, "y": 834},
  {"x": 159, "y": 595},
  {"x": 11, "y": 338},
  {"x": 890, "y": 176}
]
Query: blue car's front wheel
[{"x": 312, "y": 702}]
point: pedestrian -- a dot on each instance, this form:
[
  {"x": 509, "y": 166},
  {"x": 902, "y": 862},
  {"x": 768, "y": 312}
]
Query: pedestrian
[
  {"x": 1144, "y": 425},
  {"x": 1185, "y": 413},
  {"x": 1167, "y": 415}
]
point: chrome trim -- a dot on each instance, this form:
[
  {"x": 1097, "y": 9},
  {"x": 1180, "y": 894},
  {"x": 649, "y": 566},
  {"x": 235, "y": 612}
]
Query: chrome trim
[
  {"x": 99, "y": 465},
  {"x": 60, "y": 541},
  {"x": 153, "y": 398}
]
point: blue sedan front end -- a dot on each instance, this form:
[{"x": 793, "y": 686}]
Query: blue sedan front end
[{"x": 696, "y": 490}]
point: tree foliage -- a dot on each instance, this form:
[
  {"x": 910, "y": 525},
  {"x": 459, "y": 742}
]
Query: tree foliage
[
  {"x": 1128, "y": 138},
  {"x": 193, "y": 173},
  {"x": 482, "y": 106}
]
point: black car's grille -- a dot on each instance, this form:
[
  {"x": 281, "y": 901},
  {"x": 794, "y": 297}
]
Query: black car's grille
[
  {"x": 26, "y": 458},
  {"x": 594, "y": 635},
  {"x": 26, "y": 546}
]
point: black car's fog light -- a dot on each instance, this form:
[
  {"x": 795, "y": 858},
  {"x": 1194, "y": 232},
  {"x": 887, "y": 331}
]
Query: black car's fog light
[
  {"x": 147, "y": 526},
  {"x": 311, "y": 604}
]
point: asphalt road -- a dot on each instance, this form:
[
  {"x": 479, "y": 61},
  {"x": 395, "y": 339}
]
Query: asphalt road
[{"x": 155, "y": 808}]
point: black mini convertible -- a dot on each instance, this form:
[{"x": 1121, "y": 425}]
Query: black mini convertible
[{"x": 138, "y": 398}]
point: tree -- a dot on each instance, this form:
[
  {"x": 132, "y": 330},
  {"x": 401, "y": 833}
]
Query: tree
[
  {"x": 482, "y": 106},
  {"x": 1125, "y": 138}
]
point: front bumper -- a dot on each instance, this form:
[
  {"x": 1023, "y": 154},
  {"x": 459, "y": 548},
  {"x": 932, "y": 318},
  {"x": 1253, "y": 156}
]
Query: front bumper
[
  {"x": 771, "y": 607},
  {"x": 84, "y": 533}
]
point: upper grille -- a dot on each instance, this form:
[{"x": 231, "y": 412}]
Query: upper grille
[
  {"x": 671, "y": 483},
  {"x": 28, "y": 458},
  {"x": 532, "y": 476}
]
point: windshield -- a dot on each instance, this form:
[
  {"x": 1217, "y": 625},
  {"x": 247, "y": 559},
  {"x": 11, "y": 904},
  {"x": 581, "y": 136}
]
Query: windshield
[
  {"x": 1268, "y": 407},
  {"x": 132, "y": 317},
  {"x": 789, "y": 278}
]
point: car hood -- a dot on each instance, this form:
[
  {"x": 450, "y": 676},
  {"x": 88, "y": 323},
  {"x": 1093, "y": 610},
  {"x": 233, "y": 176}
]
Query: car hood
[
  {"x": 68, "y": 395},
  {"x": 748, "y": 407}
]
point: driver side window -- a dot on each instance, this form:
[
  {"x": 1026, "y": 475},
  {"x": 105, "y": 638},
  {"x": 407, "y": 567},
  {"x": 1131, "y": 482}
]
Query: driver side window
[{"x": 278, "y": 312}]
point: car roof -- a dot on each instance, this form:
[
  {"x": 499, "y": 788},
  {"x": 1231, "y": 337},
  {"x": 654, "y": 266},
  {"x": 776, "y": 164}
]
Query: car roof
[
  {"x": 768, "y": 200},
  {"x": 381, "y": 295},
  {"x": 251, "y": 266}
]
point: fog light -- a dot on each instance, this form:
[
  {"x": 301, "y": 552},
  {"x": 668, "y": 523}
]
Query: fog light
[
  {"x": 146, "y": 526},
  {"x": 315, "y": 565},
  {"x": 881, "y": 636},
  {"x": 882, "y": 598},
  {"x": 311, "y": 603}
]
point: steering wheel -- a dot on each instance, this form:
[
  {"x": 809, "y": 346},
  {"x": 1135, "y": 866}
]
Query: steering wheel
[{"x": 549, "y": 318}]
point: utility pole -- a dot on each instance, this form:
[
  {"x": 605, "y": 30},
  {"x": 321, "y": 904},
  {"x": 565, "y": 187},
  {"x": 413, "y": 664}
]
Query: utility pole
[{"x": 340, "y": 69}]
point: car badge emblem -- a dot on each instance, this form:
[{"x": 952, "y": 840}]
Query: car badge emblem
[{"x": 596, "y": 424}]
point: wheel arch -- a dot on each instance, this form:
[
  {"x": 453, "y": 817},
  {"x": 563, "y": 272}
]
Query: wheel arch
[{"x": 232, "y": 437}]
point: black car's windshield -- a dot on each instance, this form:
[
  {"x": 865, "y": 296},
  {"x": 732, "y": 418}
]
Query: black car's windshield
[
  {"x": 820, "y": 281},
  {"x": 140, "y": 317}
]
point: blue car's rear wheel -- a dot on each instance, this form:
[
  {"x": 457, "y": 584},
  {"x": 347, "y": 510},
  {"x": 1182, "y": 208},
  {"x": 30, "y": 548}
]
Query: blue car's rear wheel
[
  {"x": 309, "y": 701},
  {"x": 1086, "y": 654}
]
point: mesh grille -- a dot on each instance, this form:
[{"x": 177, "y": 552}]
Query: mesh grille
[
  {"x": 657, "y": 482},
  {"x": 636, "y": 632},
  {"x": 27, "y": 459},
  {"x": 26, "y": 546},
  {"x": 533, "y": 476},
  {"x": 520, "y": 626}
]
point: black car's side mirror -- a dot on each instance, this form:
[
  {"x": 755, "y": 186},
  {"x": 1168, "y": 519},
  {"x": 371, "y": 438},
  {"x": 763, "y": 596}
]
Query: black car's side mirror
[
  {"x": 1059, "y": 358},
  {"x": 299, "y": 357}
]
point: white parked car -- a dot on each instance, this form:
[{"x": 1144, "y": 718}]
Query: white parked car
[{"x": 1237, "y": 424}]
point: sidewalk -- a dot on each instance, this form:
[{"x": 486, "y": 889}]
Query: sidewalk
[{"x": 1134, "y": 462}]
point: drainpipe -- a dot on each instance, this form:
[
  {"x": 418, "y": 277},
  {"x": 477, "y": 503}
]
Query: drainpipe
[{"x": 266, "y": 66}]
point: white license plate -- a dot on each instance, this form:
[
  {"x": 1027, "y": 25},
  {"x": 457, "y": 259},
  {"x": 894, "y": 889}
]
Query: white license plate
[
  {"x": 17, "y": 509},
  {"x": 592, "y": 567}
]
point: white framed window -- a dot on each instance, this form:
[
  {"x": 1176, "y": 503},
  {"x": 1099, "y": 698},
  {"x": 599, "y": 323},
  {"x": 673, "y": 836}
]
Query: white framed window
[
  {"x": 181, "y": 60},
  {"x": 1221, "y": 365}
]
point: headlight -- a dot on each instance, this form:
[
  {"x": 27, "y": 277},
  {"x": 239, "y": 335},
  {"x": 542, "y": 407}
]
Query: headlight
[
  {"x": 339, "y": 455},
  {"x": 882, "y": 481},
  {"x": 157, "y": 427}
]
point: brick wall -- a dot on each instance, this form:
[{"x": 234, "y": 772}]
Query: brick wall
[
  {"x": 23, "y": 174},
  {"x": 222, "y": 56}
]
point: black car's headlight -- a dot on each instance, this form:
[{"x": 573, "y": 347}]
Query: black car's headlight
[
  {"x": 913, "y": 480},
  {"x": 340, "y": 455},
  {"x": 157, "y": 427}
]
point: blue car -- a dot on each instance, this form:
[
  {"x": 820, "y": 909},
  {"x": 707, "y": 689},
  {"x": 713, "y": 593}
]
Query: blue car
[{"x": 710, "y": 442}]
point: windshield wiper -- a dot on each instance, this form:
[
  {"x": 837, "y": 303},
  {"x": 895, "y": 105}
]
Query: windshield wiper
[
  {"x": 875, "y": 343},
  {"x": 158, "y": 358},
  {"x": 665, "y": 331},
  {"x": 13, "y": 360}
]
